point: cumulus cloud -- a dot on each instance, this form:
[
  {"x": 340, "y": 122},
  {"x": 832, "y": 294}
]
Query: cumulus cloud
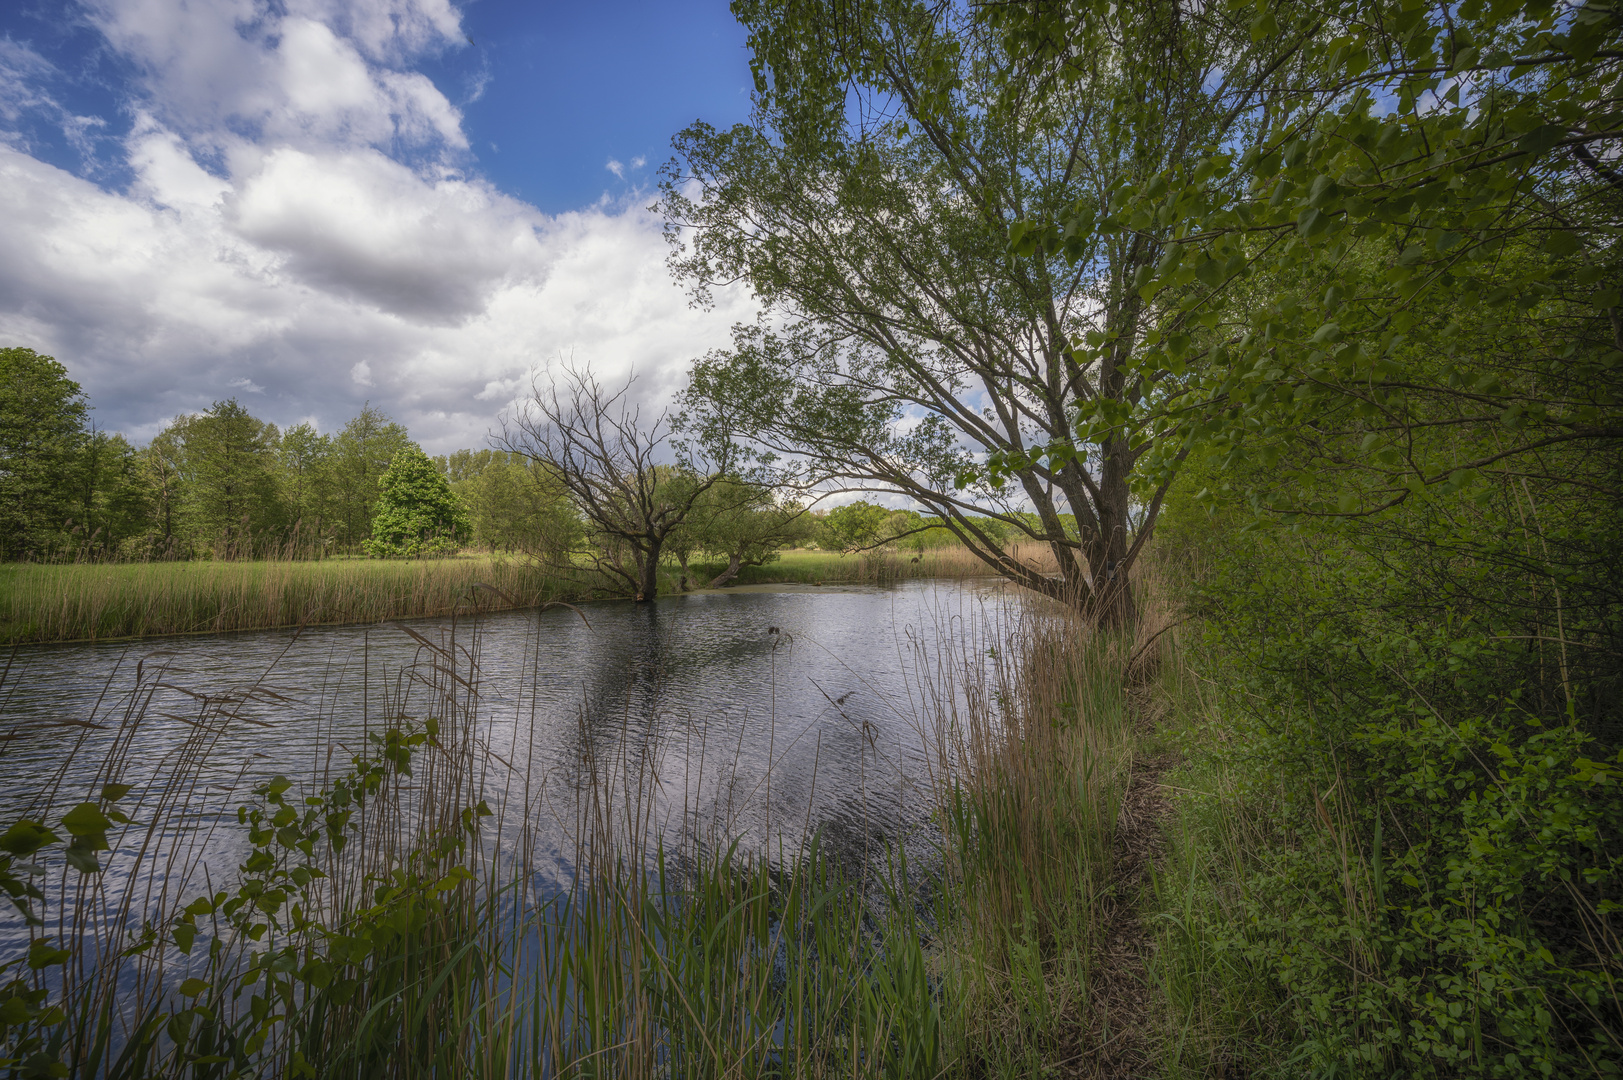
[{"x": 305, "y": 224}]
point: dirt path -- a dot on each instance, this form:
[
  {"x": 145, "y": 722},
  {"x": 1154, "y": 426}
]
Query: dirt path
[{"x": 1117, "y": 1041}]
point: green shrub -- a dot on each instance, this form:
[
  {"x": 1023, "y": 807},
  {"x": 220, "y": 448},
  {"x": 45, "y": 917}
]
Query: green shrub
[{"x": 1414, "y": 849}]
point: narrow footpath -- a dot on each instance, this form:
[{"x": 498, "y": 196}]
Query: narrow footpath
[{"x": 1119, "y": 1039}]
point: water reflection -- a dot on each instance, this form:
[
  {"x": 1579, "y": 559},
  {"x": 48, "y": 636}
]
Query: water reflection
[{"x": 767, "y": 711}]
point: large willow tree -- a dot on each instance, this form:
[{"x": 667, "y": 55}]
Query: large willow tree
[{"x": 906, "y": 347}]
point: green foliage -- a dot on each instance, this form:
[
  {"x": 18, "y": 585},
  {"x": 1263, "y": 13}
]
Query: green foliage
[
  {"x": 743, "y": 523},
  {"x": 1430, "y": 169},
  {"x": 854, "y": 526},
  {"x": 1420, "y": 740},
  {"x": 229, "y": 463},
  {"x": 514, "y": 504},
  {"x": 870, "y": 200},
  {"x": 417, "y": 513},
  {"x": 309, "y": 487},
  {"x": 42, "y": 415},
  {"x": 361, "y": 452}
]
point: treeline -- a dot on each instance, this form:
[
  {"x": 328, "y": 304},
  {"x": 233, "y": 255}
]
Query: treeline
[
  {"x": 225, "y": 484},
  {"x": 220, "y": 483}
]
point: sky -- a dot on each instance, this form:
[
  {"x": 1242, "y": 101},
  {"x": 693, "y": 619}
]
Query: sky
[{"x": 312, "y": 204}]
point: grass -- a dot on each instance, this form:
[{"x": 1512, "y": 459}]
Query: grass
[
  {"x": 808, "y": 567},
  {"x": 382, "y": 921},
  {"x": 98, "y": 601}
]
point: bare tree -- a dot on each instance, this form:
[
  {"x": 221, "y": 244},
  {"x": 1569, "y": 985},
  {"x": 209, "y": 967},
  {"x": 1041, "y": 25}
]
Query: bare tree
[{"x": 596, "y": 444}]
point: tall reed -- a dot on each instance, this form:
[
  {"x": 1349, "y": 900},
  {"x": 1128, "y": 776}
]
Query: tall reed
[
  {"x": 1034, "y": 750},
  {"x": 97, "y": 601}
]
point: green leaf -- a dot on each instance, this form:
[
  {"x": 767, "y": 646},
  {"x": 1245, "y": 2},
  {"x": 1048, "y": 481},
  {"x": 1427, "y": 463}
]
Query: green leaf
[
  {"x": 82, "y": 857},
  {"x": 184, "y": 935},
  {"x": 192, "y": 987},
  {"x": 1541, "y": 139},
  {"x": 1312, "y": 221},
  {"x": 1561, "y": 243},
  {"x": 114, "y": 792},
  {"x": 86, "y": 820},
  {"x": 41, "y": 955},
  {"x": 26, "y": 837}
]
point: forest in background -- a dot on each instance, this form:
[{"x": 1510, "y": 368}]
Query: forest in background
[{"x": 224, "y": 484}]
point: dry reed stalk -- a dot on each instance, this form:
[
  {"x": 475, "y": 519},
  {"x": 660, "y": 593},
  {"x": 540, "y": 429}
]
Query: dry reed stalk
[{"x": 1034, "y": 759}]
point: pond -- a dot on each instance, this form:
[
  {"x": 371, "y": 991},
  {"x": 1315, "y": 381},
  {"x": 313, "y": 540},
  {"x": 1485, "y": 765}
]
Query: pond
[{"x": 769, "y": 712}]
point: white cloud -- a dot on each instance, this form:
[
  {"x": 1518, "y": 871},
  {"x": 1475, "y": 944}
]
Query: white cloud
[
  {"x": 274, "y": 241},
  {"x": 617, "y": 168}
]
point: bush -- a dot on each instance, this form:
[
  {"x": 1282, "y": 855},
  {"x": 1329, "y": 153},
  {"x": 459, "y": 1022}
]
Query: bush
[{"x": 1418, "y": 765}]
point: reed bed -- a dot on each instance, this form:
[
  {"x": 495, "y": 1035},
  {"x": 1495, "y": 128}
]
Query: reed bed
[
  {"x": 883, "y": 566},
  {"x": 98, "y": 601},
  {"x": 51, "y": 602},
  {"x": 388, "y": 918}
]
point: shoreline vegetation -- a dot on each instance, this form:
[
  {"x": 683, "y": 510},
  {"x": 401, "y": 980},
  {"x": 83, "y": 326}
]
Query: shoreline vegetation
[
  {"x": 59, "y": 603},
  {"x": 377, "y": 924}
]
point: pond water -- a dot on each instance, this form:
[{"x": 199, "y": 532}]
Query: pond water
[{"x": 771, "y": 710}]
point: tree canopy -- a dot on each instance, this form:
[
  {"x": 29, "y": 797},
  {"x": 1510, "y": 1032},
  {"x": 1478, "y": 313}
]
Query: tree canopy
[
  {"x": 869, "y": 204},
  {"x": 42, "y": 416}
]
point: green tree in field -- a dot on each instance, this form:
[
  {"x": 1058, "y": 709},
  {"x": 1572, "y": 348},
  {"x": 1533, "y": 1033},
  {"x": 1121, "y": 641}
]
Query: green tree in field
[
  {"x": 746, "y": 524},
  {"x": 112, "y": 495},
  {"x": 514, "y": 505},
  {"x": 869, "y": 200},
  {"x": 361, "y": 452},
  {"x": 230, "y": 466},
  {"x": 162, "y": 468},
  {"x": 417, "y": 513},
  {"x": 42, "y": 418}
]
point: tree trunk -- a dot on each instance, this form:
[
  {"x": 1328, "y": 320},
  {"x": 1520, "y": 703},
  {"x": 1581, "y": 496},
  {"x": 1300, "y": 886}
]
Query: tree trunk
[
  {"x": 728, "y": 574},
  {"x": 683, "y": 560},
  {"x": 648, "y": 573}
]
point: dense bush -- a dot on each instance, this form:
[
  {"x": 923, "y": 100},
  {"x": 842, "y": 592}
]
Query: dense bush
[{"x": 1418, "y": 756}]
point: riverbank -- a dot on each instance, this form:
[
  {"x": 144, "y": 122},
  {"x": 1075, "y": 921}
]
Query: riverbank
[
  {"x": 106, "y": 601},
  {"x": 983, "y": 963}
]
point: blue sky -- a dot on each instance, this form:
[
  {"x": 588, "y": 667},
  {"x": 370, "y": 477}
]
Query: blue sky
[{"x": 309, "y": 204}]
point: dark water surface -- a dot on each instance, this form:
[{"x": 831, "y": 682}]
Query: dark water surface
[{"x": 768, "y": 710}]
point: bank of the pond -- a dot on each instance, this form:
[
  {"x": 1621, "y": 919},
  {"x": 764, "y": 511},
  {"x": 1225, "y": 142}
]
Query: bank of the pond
[
  {"x": 109, "y": 601},
  {"x": 731, "y": 960}
]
